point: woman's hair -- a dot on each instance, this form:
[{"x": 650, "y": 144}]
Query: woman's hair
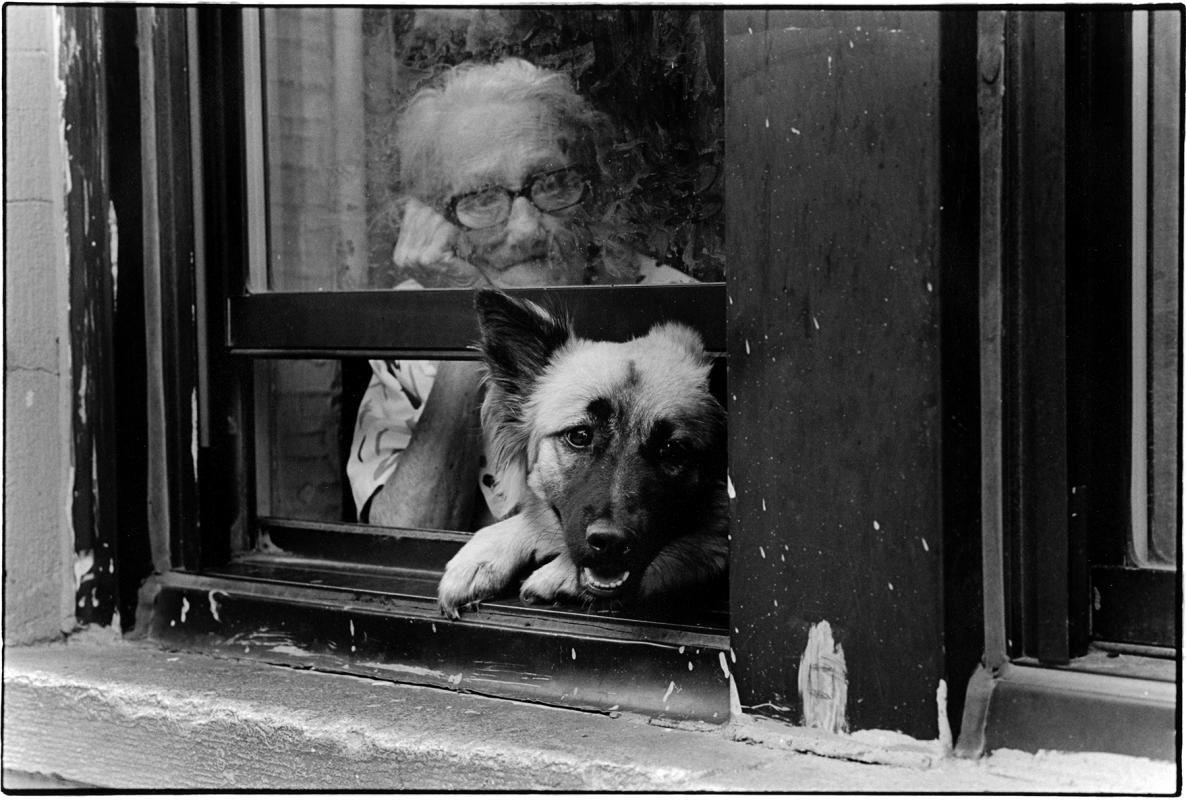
[{"x": 424, "y": 121}]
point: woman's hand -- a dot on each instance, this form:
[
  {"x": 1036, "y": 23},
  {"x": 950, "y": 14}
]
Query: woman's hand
[{"x": 427, "y": 248}]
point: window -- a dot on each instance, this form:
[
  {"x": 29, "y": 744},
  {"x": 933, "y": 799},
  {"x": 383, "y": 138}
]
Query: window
[
  {"x": 297, "y": 182},
  {"x": 829, "y": 179}
]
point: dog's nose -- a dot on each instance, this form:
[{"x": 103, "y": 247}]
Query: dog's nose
[{"x": 606, "y": 540}]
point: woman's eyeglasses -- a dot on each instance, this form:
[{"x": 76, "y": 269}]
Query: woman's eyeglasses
[{"x": 551, "y": 191}]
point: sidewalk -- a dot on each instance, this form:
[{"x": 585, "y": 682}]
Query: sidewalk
[{"x": 107, "y": 713}]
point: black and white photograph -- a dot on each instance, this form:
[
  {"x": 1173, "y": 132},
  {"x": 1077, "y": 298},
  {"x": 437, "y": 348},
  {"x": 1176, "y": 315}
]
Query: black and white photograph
[{"x": 593, "y": 398}]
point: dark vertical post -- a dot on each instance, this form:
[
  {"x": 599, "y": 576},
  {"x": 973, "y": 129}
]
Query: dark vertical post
[
  {"x": 89, "y": 229},
  {"x": 1036, "y": 329},
  {"x": 834, "y": 361},
  {"x": 169, "y": 285}
]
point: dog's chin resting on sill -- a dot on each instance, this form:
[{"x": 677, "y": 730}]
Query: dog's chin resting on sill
[{"x": 616, "y": 456}]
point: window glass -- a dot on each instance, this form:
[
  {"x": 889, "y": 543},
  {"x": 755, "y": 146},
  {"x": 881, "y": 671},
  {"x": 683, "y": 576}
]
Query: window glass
[
  {"x": 440, "y": 148},
  {"x": 342, "y": 160},
  {"x": 1157, "y": 259}
]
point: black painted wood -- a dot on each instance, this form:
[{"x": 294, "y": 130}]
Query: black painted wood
[
  {"x": 386, "y": 625},
  {"x": 88, "y": 237},
  {"x": 1136, "y": 606},
  {"x": 834, "y": 358},
  {"x": 442, "y": 321},
  {"x": 169, "y": 285},
  {"x": 1035, "y": 278}
]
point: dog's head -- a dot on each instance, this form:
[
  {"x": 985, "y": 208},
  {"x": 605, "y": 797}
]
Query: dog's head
[{"x": 622, "y": 442}]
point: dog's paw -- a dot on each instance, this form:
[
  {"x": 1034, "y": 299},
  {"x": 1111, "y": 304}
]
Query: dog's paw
[
  {"x": 476, "y": 573},
  {"x": 554, "y": 582}
]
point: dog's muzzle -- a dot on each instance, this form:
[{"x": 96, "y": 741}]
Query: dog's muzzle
[{"x": 608, "y": 547}]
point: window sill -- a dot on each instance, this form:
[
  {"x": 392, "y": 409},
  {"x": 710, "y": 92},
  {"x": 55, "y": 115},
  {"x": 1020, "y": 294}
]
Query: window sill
[
  {"x": 1079, "y": 708},
  {"x": 122, "y": 715}
]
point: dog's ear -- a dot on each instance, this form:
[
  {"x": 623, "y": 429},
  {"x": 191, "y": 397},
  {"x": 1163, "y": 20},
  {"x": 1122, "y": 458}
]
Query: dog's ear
[
  {"x": 518, "y": 338},
  {"x": 682, "y": 337}
]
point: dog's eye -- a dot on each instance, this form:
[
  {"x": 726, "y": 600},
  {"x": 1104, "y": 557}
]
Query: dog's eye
[
  {"x": 579, "y": 437},
  {"x": 673, "y": 453}
]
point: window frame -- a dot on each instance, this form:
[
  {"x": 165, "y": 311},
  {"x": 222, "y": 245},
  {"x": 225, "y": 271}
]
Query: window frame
[
  {"x": 213, "y": 599},
  {"x": 195, "y": 501},
  {"x": 1047, "y": 680}
]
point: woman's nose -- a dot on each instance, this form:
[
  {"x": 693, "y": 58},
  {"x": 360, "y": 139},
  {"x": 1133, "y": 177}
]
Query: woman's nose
[{"x": 525, "y": 222}]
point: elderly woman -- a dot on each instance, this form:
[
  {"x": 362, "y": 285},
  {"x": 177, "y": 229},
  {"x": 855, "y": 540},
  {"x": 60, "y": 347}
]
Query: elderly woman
[{"x": 500, "y": 167}]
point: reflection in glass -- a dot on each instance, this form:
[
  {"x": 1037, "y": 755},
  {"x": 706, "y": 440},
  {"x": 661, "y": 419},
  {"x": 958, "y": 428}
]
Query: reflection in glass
[
  {"x": 299, "y": 445},
  {"x": 336, "y": 83}
]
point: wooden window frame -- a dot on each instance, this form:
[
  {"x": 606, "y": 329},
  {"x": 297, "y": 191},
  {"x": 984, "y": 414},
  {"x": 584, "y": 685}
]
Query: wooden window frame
[
  {"x": 380, "y": 620},
  {"x": 1055, "y": 367},
  {"x": 341, "y": 596}
]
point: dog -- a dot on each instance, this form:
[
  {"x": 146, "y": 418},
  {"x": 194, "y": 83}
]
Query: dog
[{"x": 616, "y": 456}]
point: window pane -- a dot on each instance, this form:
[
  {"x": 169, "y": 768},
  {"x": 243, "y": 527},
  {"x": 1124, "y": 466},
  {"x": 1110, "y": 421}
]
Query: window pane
[
  {"x": 335, "y": 84},
  {"x": 1164, "y": 258},
  {"x": 299, "y": 446}
]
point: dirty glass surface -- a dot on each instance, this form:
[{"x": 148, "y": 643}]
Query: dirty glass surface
[{"x": 334, "y": 82}]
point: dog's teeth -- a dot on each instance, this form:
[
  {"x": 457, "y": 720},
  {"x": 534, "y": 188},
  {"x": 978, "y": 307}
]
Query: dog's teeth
[{"x": 605, "y": 585}]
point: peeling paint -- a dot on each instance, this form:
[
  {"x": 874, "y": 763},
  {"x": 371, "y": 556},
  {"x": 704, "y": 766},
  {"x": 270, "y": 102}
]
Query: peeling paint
[
  {"x": 667, "y": 694},
  {"x": 945, "y": 738},
  {"x": 82, "y": 381},
  {"x": 287, "y": 649},
  {"x": 84, "y": 562},
  {"x": 113, "y": 238},
  {"x": 184, "y": 609},
  {"x": 193, "y": 442},
  {"x": 823, "y": 681},
  {"x": 729, "y": 486},
  {"x": 213, "y": 605},
  {"x": 735, "y": 710},
  {"x": 724, "y": 664}
]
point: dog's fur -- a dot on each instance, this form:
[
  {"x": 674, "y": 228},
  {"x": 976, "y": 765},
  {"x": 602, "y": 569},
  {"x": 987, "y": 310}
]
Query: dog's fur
[{"x": 617, "y": 456}]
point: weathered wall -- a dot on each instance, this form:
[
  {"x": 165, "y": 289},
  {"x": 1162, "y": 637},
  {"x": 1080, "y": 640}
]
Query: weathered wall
[{"x": 38, "y": 582}]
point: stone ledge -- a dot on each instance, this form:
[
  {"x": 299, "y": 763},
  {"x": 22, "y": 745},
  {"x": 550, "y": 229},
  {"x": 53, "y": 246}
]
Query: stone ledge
[{"x": 120, "y": 715}]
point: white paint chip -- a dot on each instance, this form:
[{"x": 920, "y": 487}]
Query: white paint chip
[
  {"x": 761, "y": 551},
  {"x": 729, "y": 486},
  {"x": 747, "y": 351},
  {"x": 213, "y": 605},
  {"x": 796, "y": 131},
  {"x": 574, "y": 654},
  {"x": 945, "y": 738},
  {"x": 184, "y": 608},
  {"x": 724, "y": 663},
  {"x": 667, "y": 694},
  {"x": 823, "y": 681},
  {"x": 876, "y": 525},
  {"x": 926, "y": 547}
]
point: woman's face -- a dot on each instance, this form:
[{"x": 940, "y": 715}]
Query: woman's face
[{"x": 505, "y": 144}]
